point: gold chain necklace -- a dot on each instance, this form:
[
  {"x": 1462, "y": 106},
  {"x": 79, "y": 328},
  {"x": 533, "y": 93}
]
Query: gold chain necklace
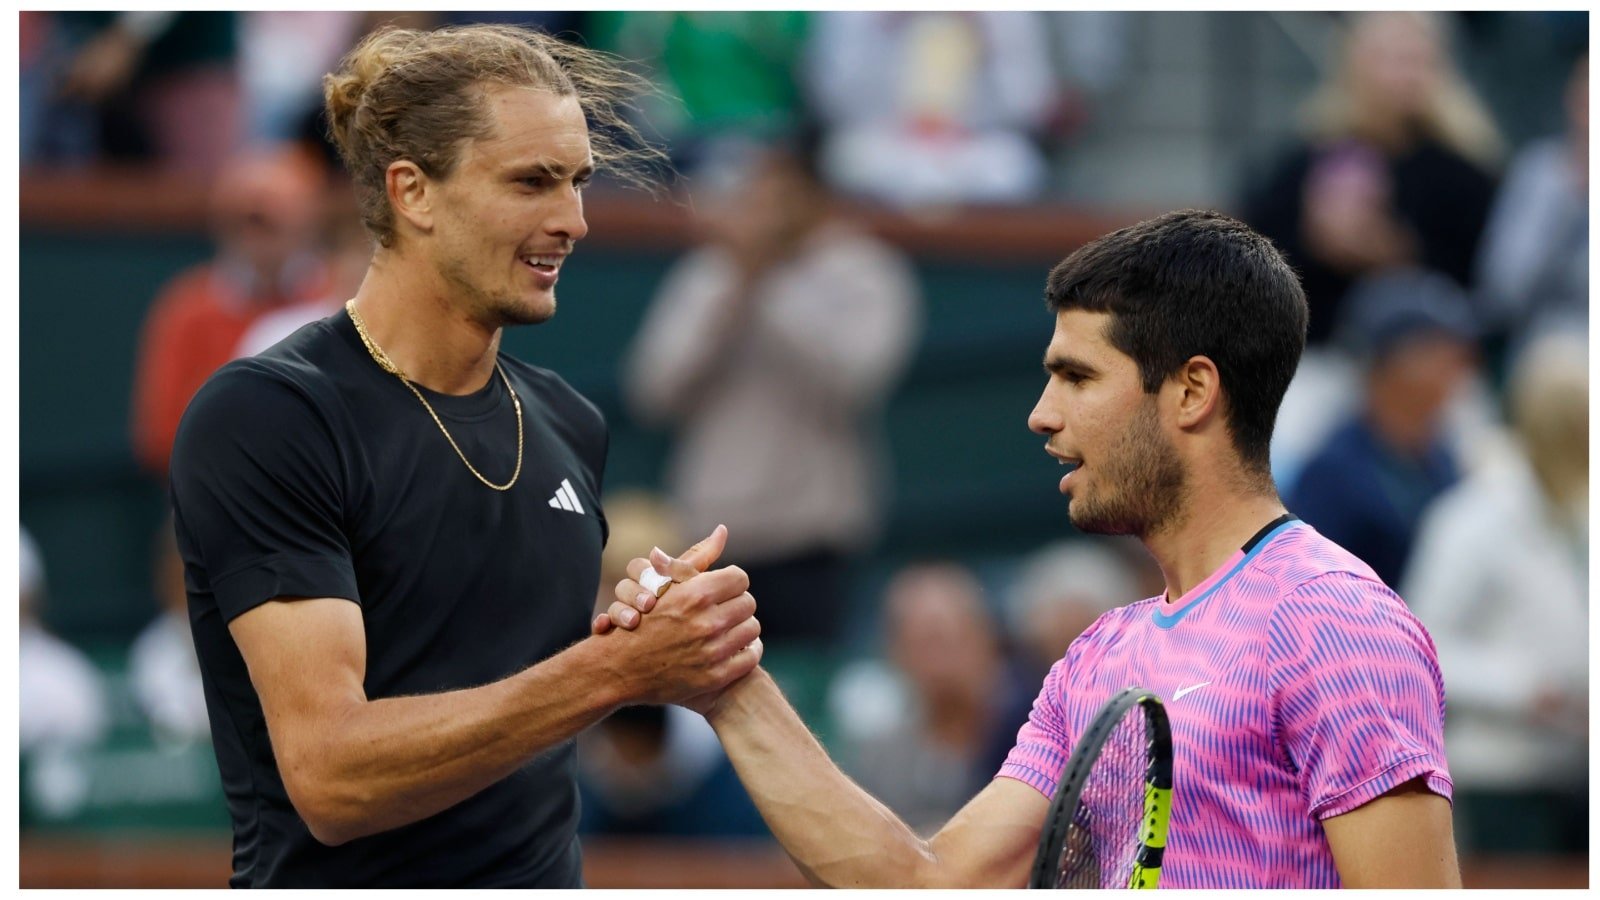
[{"x": 385, "y": 363}]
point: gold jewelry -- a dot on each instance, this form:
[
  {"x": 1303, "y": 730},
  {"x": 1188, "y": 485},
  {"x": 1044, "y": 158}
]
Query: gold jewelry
[{"x": 386, "y": 364}]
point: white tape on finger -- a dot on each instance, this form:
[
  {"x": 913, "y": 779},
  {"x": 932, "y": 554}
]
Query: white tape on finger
[{"x": 653, "y": 581}]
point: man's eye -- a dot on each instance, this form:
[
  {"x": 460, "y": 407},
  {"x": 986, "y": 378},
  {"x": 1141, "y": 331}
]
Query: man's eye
[
  {"x": 580, "y": 183},
  {"x": 533, "y": 181}
]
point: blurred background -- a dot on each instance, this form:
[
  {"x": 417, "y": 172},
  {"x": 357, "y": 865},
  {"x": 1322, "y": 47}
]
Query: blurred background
[{"x": 887, "y": 191}]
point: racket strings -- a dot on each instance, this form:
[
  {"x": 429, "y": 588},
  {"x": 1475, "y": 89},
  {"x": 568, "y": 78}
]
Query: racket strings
[{"x": 1103, "y": 839}]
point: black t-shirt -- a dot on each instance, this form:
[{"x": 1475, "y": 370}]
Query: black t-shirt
[{"x": 309, "y": 471}]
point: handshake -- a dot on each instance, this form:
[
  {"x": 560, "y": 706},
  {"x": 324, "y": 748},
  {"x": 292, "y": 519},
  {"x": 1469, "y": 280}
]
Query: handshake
[{"x": 702, "y": 636}]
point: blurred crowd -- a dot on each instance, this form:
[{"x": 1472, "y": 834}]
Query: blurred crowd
[{"x": 1438, "y": 426}]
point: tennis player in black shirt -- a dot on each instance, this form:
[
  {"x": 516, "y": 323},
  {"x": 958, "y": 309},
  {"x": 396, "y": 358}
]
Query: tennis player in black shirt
[{"x": 391, "y": 531}]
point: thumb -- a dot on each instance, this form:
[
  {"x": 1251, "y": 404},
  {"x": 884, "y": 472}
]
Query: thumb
[{"x": 706, "y": 552}]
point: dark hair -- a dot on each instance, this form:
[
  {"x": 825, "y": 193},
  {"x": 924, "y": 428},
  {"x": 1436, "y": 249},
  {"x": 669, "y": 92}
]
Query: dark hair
[{"x": 1196, "y": 283}]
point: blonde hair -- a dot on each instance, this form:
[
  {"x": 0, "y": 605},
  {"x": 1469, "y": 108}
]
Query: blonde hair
[
  {"x": 418, "y": 96},
  {"x": 1452, "y": 115},
  {"x": 1548, "y": 394}
]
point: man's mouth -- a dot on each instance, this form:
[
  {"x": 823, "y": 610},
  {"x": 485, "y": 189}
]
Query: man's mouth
[
  {"x": 1064, "y": 459},
  {"x": 548, "y": 264}
]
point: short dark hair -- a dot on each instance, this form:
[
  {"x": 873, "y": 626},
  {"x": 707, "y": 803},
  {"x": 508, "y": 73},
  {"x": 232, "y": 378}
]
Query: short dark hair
[{"x": 1196, "y": 283}]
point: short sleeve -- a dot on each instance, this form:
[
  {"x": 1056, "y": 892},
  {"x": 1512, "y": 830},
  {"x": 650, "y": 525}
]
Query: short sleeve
[
  {"x": 1358, "y": 697},
  {"x": 1043, "y": 743},
  {"x": 258, "y": 494}
]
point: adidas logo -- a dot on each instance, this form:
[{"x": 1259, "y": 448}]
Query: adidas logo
[{"x": 566, "y": 498}]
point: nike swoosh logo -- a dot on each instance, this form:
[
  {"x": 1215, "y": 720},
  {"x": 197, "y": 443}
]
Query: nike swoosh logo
[{"x": 1178, "y": 694}]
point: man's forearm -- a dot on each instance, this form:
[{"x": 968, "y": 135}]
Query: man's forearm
[
  {"x": 390, "y": 762},
  {"x": 837, "y": 833}
]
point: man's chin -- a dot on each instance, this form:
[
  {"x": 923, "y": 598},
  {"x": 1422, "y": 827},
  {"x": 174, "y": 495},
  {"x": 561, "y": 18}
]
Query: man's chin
[
  {"x": 1090, "y": 521},
  {"x": 534, "y": 312}
]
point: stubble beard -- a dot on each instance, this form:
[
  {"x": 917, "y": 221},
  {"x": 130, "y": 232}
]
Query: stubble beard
[
  {"x": 500, "y": 309},
  {"x": 1142, "y": 485}
]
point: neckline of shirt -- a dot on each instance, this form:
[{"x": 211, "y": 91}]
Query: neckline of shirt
[
  {"x": 477, "y": 406},
  {"x": 1166, "y": 616}
]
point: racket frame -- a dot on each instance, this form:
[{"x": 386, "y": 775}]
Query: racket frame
[{"x": 1152, "y": 831}]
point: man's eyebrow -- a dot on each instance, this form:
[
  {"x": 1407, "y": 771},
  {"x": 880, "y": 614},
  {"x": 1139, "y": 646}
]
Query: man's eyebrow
[
  {"x": 1057, "y": 364},
  {"x": 555, "y": 170}
]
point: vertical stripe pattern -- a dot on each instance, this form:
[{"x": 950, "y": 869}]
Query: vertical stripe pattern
[{"x": 1307, "y": 687}]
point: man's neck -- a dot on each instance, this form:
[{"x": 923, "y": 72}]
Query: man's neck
[
  {"x": 409, "y": 315},
  {"x": 1219, "y": 522}
]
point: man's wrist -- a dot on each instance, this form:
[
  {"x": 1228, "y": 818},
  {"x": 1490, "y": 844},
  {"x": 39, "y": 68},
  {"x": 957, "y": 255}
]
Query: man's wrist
[
  {"x": 611, "y": 682},
  {"x": 735, "y": 700}
]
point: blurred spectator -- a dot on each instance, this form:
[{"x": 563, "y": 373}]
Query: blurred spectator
[
  {"x": 1367, "y": 487},
  {"x": 50, "y": 128},
  {"x": 163, "y": 671},
  {"x": 1092, "y": 47},
  {"x": 283, "y": 55},
  {"x": 1533, "y": 269},
  {"x": 1500, "y": 578},
  {"x": 933, "y": 107},
  {"x": 654, "y": 769},
  {"x": 771, "y": 350},
  {"x": 264, "y": 217},
  {"x": 61, "y": 701},
  {"x": 348, "y": 248},
  {"x": 723, "y": 74},
  {"x": 947, "y": 686},
  {"x": 1393, "y": 171},
  {"x": 1060, "y": 590},
  {"x": 162, "y": 85},
  {"x": 1090, "y": 61}
]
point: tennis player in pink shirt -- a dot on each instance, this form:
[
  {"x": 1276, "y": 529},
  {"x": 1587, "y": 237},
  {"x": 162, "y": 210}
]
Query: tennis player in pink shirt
[{"x": 1306, "y": 703}]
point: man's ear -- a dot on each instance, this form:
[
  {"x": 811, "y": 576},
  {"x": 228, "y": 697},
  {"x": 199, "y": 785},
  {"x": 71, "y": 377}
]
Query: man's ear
[
  {"x": 410, "y": 193},
  {"x": 1197, "y": 392}
]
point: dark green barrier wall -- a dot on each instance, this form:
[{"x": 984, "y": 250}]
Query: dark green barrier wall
[{"x": 970, "y": 479}]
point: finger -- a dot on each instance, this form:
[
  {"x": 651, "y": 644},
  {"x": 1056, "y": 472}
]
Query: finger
[
  {"x": 742, "y": 663},
  {"x": 601, "y": 624},
  {"x": 654, "y": 581},
  {"x": 707, "y": 550},
  {"x": 739, "y": 609},
  {"x": 629, "y": 592},
  {"x": 723, "y": 584},
  {"x": 636, "y": 566},
  {"x": 676, "y": 569},
  {"x": 741, "y": 636},
  {"x": 714, "y": 588},
  {"x": 623, "y": 615}
]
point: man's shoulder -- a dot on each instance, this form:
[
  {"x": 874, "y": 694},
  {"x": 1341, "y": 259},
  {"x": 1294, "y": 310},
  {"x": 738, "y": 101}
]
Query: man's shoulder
[
  {"x": 1319, "y": 583},
  {"x": 309, "y": 361},
  {"x": 1301, "y": 555},
  {"x": 297, "y": 378}
]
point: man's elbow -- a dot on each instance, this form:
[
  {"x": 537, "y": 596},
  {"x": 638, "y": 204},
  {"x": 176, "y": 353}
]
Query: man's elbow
[{"x": 334, "y": 809}]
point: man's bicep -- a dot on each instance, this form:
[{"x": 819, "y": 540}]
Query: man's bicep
[
  {"x": 1402, "y": 839},
  {"x": 307, "y": 660},
  {"x": 991, "y": 842}
]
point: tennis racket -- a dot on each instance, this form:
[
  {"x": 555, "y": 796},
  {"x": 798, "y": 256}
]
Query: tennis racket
[{"x": 1107, "y": 826}]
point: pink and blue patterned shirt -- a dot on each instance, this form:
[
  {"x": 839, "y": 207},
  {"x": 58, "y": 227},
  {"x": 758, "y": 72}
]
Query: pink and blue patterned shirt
[{"x": 1299, "y": 687}]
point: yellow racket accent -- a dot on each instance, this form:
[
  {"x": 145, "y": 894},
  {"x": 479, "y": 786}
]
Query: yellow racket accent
[{"x": 1157, "y": 813}]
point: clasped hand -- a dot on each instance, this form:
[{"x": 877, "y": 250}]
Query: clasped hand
[{"x": 703, "y": 634}]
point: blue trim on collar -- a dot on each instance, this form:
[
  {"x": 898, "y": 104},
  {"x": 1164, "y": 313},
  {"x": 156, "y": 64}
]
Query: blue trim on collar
[{"x": 1163, "y": 620}]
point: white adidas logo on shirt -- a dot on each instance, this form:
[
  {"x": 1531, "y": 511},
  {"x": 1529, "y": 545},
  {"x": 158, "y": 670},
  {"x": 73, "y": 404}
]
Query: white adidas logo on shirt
[{"x": 566, "y": 498}]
